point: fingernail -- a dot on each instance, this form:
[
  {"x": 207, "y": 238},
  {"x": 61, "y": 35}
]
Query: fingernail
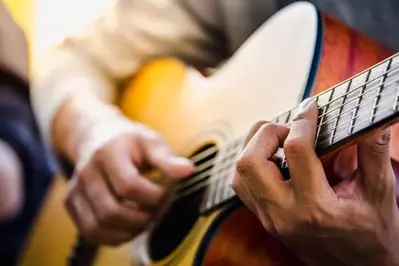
[
  {"x": 303, "y": 107},
  {"x": 180, "y": 161}
]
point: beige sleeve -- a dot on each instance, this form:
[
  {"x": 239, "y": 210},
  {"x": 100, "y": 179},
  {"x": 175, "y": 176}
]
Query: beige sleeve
[{"x": 115, "y": 45}]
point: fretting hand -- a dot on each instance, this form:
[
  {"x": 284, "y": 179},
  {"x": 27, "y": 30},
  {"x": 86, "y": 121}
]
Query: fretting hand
[{"x": 355, "y": 222}]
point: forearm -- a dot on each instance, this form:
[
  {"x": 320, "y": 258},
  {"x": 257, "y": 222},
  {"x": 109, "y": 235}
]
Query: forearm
[
  {"x": 79, "y": 74},
  {"x": 75, "y": 118}
]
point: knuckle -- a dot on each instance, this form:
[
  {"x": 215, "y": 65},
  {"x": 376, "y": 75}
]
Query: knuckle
[
  {"x": 90, "y": 230},
  {"x": 257, "y": 126},
  {"x": 382, "y": 143},
  {"x": 244, "y": 164},
  {"x": 295, "y": 146},
  {"x": 265, "y": 129},
  {"x": 108, "y": 216},
  {"x": 127, "y": 187}
]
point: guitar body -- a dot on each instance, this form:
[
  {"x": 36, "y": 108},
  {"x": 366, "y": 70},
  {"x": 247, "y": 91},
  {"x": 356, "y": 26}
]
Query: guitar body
[{"x": 295, "y": 54}]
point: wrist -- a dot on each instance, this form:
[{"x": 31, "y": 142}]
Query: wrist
[{"x": 75, "y": 120}]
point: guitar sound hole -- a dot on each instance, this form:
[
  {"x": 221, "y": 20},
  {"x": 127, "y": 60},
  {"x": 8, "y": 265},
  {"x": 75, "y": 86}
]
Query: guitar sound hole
[{"x": 184, "y": 212}]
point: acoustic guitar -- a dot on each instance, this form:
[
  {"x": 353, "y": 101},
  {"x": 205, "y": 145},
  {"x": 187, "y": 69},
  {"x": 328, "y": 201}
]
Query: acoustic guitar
[{"x": 299, "y": 52}]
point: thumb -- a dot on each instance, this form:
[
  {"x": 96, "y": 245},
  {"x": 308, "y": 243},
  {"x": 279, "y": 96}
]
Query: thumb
[
  {"x": 375, "y": 162},
  {"x": 345, "y": 164},
  {"x": 159, "y": 156}
]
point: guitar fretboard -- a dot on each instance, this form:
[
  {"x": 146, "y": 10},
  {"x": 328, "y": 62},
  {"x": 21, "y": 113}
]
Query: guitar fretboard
[{"x": 346, "y": 110}]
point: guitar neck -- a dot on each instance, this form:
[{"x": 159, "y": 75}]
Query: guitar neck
[{"x": 354, "y": 107}]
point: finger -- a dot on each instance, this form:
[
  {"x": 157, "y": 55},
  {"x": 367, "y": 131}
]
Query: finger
[
  {"x": 345, "y": 164},
  {"x": 306, "y": 170},
  {"x": 85, "y": 220},
  {"x": 127, "y": 183},
  {"x": 159, "y": 156},
  {"x": 243, "y": 192},
  {"x": 109, "y": 212},
  {"x": 375, "y": 163},
  {"x": 248, "y": 199},
  {"x": 261, "y": 175},
  {"x": 253, "y": 131}
]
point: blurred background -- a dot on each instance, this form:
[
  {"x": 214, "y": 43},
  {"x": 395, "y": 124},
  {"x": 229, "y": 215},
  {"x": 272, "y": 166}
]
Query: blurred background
[{"x": 47, "y": 22}]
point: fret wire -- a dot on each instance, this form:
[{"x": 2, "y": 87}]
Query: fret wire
[
  {"x": 340, "y": 111},
  {"x": 323, "y": 116},
  {"x": 362, "y": 104},
  {"x": 364, "y": 84},
  {"x": 348, "y": 102},
  {"x": 360, "y": 86},
  {"x": 356, "y": 88},
  {"x": 377, "y": 98},
  {"x": 288, "y": 117},
  {"x": 362, "y": 93},
  {"x": 208, "y": 182},
  {"x": 358, "y": 100},
  {"x": 336, "y": 108},
  {"x": 221, "y": 169},
  {"x": 325, "y": 122},
  {"x": 361, "y": 122}
]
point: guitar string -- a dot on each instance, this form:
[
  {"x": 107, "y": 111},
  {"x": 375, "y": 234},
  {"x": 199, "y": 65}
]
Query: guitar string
[
  {"x": 207, "y": 164},
  {"x": 202, "y": 155},
  {"x": 207, "y": 182},
  {"x": 351, "y": 100},
  {"x": 362, "y": 120},
  {"x": 205, "y": 174},
  {"x": 389, "y": 71},
  {"x": 201, "y": 185},
  {"x": 356, "y": 107}
]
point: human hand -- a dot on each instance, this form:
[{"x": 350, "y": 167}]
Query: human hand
[
  {"x": 109, "y": 199},
  {"x": 354, "y": 222}
]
